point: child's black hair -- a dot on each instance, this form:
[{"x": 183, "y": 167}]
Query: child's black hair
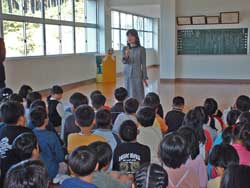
[
  {"x": 78, "y": 99},
  {"x": 38, "y": 115},
  {"x": 232, "y": 117},
  {"x": 16, "y": 97},
  {"x": 128, "y": 131},
  {"x": 5, "y": 93},
  {"x": 103, "y": 119},
  {"x": 178, "y": 101},
  {"x": 56, "y": 90},
  {"x": 223, "y": 156},
  {"x": 38, "y": 103},
  {"x": 146, "y": 116},
  {"x": 24, "y": 145},
  {"x": 96, "y": 92},
  {"x": 195, "y": 119},
  {"x": 11, "y": 111},
  {"x": 243, "y": 103},
  {"x": 191, "y": 140},
  {"x": 24, "y": 91},
  {"x": 211, "y": 107},
  {"x": 242, "y": 133},
  {"x": 131, "y": 105},
  {"x": 84, "y": 116},
  {"x": 152, "y": 100},
  {"x": 228, "y": 135},
  {"x": 173, "y": 150},
  {"x": 121, "y": 94},
  {"x": 27, "y": 174},
  {"x": 33, "y": 96},
  {"x": 236, "y": 176},
  {"x": 82, "y": 161},
  {"x": 103, "y": 152},
  {"x": 98, "y": 101},
  {"x": 151, "y": 176}
]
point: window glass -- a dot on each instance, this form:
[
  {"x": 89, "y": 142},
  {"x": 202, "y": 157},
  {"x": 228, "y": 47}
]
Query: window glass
[
  {"x": 148, "y": 24},
  {"x": 51, "y": 9},
  {"x": 91, "y": 11},
  {"x": 148, "y": 37},
  {"x": 80, "y": 40},
  {"x": 138, "y": 23},
  {"x": 80, "y": 11},
  {"x": 91, "y": 40},
  {"x": 67, "y": 40},
  {"x": 34, "y": 39},
  {"x": 13, "y": 34},
  {"x": 123, "y": 38},
  {"x": 32, "y": 8},
  {"x": 66, "y": 10},
  {"x": 115, "y": 19},
  {"x": 126, "y": 21},
  {"x": 12, "y": 7},
  {"x": 52, "y": 40},
  {"x": 141, "y": 36},
  {"x": 116, "y": 39}
]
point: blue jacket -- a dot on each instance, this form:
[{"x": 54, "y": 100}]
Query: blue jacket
[{"x": 51, "y": 150}]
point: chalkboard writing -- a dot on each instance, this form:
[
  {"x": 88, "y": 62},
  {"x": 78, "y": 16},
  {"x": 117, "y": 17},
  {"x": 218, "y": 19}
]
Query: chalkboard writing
[{"x": 212, "y": 41}]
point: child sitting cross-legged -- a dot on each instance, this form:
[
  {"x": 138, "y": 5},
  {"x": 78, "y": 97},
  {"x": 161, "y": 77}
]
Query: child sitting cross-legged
[
  {"x": 82, "y": 163},
  {"x": 84, "y": 117}
]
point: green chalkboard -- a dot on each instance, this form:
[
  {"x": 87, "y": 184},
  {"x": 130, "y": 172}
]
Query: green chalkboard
[{"x": 212, "y": 41}]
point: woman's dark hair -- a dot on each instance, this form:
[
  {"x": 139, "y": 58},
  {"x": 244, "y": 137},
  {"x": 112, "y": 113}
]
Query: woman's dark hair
[
  {"x": 135, "y": 34},
  {"x": 82, "y": 161},
  {"x": 223, "y": 156},
  {"x": 210, "y": 107},
  {"x": 191, "y": 140},
  {"x": 173, "y": 150},
  {"x": 228, "y": 135},
  {"x": 103, "y": 152},
  {"x": 232, "y": 117},
  {"x": 195, "y": 119},
  {"x": 151, "y": 176},
  {"x": 24, "y": 91},
  {"x": 236, "y": 176},
  {"x": 23, "y": 145},
  {"x": 242, "y": 133},
  {"x": 244, "y": 117},
  {"x": 27, "y": 174},
  {"x": 33, "y": 96}
]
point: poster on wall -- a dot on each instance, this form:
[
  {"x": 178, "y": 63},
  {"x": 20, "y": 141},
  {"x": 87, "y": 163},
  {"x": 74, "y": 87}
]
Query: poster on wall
[
  {"x": 184, "y": 20},
  {"x": 213, "y": 19},
  {"x": 230, "y": 17},
  {"x": 198, "y": 20}
]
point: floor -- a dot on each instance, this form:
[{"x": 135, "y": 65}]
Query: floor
[{"x": 194, "y": 93}]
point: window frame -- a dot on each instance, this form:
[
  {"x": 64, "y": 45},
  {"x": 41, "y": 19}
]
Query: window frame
[
  {"x": 122, "y": 29},
  {"x": 44, "y": 21}
]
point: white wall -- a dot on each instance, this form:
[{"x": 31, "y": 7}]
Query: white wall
[
  {"x": 213, "y": 66},
  {"x": 43, "y": 72}
]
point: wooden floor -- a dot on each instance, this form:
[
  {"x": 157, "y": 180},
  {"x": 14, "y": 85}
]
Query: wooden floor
[{"x": 194, "y": 93}]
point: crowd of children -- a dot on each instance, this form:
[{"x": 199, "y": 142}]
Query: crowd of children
[{"x": 128, "y": 145}]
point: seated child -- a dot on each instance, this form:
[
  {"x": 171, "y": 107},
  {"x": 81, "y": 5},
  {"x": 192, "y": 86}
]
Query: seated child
[
  {"x": 149, "y": 135},
  {"x": 28, "y": 174},
  {"x": 98, "y": 102},
  {"x": 69, "y": 127},
  {"x": 24, "y": 91},
  {"x": 152, "y": 100},
  {"x": 241, "y": 142},
  {"x": 101, "y": 177},
  {"x": 174, "y": 154},
  {"x": 16, "y": 97},
  {"x": 97, "y": 92},
  {"x": 14, "y": 125},
  {"x": 103, "y": 128},
  {"x": 221, "y": 157},
  {"x": 5, "y": 93},
  {"x": 175, "y": 117},
  {"x": 120, "y": 95},
  {"x": 130, "y": 155},
  {"x": 82, "y": 163},
  {"x": 195, "y": 161},
  {"x": 130, "y": 107},
  {"x": 151, "y": 176},
  {"x": 215, "y": 124},
  {"x": 84, "y": 116},
  {"x": 236, "y": 176},
  {"x": 51, "y": 150},
  {"x": 26, "y": 147},
  {"x": 55, "y": 106},
  {"x": 31, "y": 97}
]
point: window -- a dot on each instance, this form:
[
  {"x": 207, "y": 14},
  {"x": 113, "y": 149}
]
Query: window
[
  {"x": 49, "y": 27},
  {"x": 121, "y": 22}
]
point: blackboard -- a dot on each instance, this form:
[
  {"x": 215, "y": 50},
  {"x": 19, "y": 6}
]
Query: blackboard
[{"x": 212, "y": 41}]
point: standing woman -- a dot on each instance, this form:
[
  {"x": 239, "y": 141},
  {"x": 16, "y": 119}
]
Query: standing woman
[
  {"x": 2, "y": 58},
  {"x": 135, "y": 70}
]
